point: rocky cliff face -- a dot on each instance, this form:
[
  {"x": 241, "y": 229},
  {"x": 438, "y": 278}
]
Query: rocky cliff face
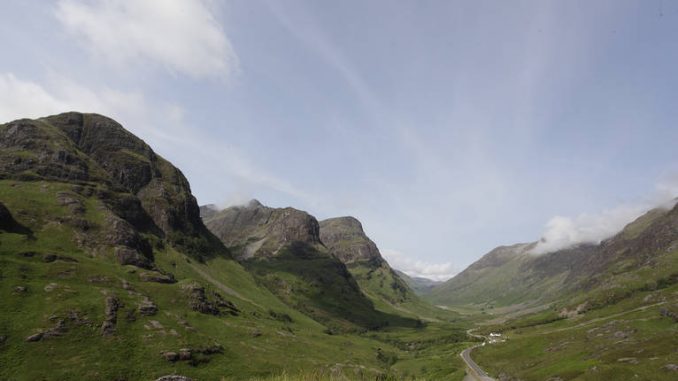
[
  {"x": 335, "y": 283},
  {"x": 345, "y": 238},
  {"x": 257, "y": 231},
  {"x": 144, "y": 193}
]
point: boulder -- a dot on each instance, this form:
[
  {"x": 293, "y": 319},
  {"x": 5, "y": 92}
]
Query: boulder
[
  {"x": 111, "y": 316},
  {"x": 174, "y": 377},
  {"x": 154, "y": 276},
  {"x": 147, "y": 307}
]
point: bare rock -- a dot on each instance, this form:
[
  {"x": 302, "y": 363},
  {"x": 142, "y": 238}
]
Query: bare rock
[
  {"x": 669, "y": 314},
  {"x": 671, "y": 367},
  {"x": 147, "y": 307},
  {"x": 111, "y": 316},
  {"x": 170, "y": 356},
  {"x": 128, "y": 256},
  {"x": 628, "y": 360},
  {"x": 174, "y": 377},
  {"x": 198, "y": 300},
  {"x": 154, "y": 276},
  {"x": 35, "y": 337},
  {"x": 185, "y": 354}
]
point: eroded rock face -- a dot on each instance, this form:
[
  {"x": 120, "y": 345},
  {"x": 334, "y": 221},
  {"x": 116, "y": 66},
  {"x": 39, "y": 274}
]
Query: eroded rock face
[
  {"x": 174, "y": 377},
  {"x": 136, "y": 185},
  {"x": 257, "y": 231},
  {"x": 345, "y": 238},
  {"x": 215, "y": 305},
  {"x": 147, "y": 307},
  {"x": 110, "y": 316}
]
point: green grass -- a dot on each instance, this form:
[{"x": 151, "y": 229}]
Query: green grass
[
  {"x": 258, "y": 343},
  {"x": 590, "y": 346}
]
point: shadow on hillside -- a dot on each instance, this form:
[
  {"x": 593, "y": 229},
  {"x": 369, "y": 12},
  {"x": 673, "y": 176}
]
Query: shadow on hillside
[
  {"x": 10, "y": 225},
  {"x": 320, "y": 286}
]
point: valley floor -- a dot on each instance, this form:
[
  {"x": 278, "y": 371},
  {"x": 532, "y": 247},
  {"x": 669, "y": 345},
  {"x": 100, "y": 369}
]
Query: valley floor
[{"x": 636, "y": 338}]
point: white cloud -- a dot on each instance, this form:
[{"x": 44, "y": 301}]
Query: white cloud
[
  {"x": 24, "y": 99},
  {"x": 439, "y": 272},
  {"x": 21, "y": 98},
  {"x": 563, "y": 232},
  {"x": 182, "y": 35}
]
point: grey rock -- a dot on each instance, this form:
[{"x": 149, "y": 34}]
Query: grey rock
[
  {"x": 154, "y": 276},
  {"x": 111, "y": 316},
  {"x": 174, "y": 377},
  {"x": 147, "y": 307}
]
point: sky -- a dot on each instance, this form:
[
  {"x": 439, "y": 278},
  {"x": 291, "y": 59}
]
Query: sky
[{"x": 447, "y": 127}]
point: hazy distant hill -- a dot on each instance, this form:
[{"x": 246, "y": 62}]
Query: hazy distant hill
[{"x": 421, "y": 286}]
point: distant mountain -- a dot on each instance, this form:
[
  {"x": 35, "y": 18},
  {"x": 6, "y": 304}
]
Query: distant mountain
[
  {"x": 511, "y": 275},
  {"x": 284, "y": 249},
  {"x": 421, "y": 286}
]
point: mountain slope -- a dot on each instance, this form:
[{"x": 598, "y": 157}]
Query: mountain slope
[
  {"x": 107, "y": 273},
  {"x": 282, "y": 247},
  {"x": 346, "y": 240},
  {"x": 618, "y": 319},
  {"x": 642, "y": 252},
  {"x": 511, "y": 275}
]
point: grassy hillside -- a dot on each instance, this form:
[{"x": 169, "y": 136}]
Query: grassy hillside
[
  {"x": 618, "y": 319},
  {"x": 106, "y": 274},
  {"x": 635, "y": 338}
]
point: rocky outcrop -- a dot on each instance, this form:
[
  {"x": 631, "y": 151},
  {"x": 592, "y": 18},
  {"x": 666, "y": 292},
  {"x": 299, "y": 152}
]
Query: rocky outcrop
[
  {"x": 257, "y": 231},
  {"x": 59, "y": 329},
  {"x": 110, "y": 316},
  {"x": 215, "y": 305},
  {"x": 174, "y": 377},
  {"x": 156, "y": 277},
  {"x": 147, "y": 307},
  {"x": 346, "y": 239}
]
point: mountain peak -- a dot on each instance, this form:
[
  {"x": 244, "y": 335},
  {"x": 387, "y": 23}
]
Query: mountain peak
[
  {"x": 345, "y": 237},
  {"x": 254, "y": 203}
]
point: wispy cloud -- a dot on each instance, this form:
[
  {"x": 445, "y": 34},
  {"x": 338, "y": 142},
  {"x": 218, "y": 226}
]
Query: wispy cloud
[
  {"x": 434, "y": 271},
  {"x": 181, "y": 35}
]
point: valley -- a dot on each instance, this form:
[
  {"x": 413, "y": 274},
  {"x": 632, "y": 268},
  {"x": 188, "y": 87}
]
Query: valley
[{"x": 109, "y": 269}]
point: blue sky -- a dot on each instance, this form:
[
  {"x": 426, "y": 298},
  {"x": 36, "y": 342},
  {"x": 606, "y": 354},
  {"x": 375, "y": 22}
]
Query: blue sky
[{"x": 446, "y": 127}]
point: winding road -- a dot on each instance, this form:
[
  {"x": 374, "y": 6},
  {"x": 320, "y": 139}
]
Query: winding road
[{"x": 474, "y": 373}]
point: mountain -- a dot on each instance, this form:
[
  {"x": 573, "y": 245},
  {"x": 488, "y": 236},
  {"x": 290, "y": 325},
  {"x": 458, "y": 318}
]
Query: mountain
[
  {"x": 346, "y": 240},
  {"x": 283, "y": 247},
  {"x": 256, "y": 231},
  {"x": 616, "y": 316},
  {"x": 108, "y": 272},
  {"x": 421, "y": 286},
  {"x": 513, "y": 275}
]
